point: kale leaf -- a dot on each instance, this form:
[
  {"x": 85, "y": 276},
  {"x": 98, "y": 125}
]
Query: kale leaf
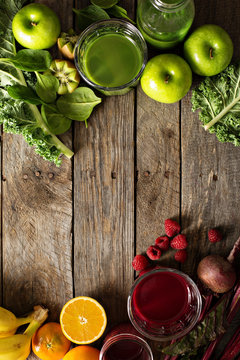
[{"x": 218, "y": 99}]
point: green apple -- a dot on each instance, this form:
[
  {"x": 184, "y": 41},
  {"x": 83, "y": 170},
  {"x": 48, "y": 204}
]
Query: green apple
[
  {"x": 208, "y": 50},
  {"x": 36, "y": 26},
  {"x": 166, "y": 78}
]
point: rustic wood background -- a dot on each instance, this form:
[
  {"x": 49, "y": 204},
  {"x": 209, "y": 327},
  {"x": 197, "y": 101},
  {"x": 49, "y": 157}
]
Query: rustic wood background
[{"x": 74, "y": 230}]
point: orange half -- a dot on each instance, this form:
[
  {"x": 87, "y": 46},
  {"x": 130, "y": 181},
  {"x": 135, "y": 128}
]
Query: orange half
[{"x": 83, "y": 320}]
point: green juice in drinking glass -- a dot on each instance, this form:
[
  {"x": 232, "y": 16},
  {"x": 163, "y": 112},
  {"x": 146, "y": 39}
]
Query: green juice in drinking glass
[{"x": 110, "y": 56}]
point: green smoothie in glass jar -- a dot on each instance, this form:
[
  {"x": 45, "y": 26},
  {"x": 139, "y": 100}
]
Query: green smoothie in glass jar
[{"x": 165, "y": 23}]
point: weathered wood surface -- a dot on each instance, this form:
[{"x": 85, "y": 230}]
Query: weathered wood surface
[
  {"x": 158, "y": 170},
  {"x": 36, "y": 221},
  {"x": 104, "y": 202},
  {"x": 74, "y": 230},
  {"x": 210, "y": 169}
]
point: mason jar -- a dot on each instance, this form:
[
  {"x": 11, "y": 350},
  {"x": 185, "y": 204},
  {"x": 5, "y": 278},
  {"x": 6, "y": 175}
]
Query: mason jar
[{"x": 165, "y": 23}]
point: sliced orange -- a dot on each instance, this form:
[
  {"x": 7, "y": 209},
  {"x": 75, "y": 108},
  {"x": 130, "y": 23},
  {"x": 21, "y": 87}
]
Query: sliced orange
[{"x": 83, "y": 320}]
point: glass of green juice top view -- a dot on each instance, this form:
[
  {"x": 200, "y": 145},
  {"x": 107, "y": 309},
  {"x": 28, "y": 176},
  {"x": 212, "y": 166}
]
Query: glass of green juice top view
[
  {"x": 110, "y": 55},
  {"x": 164, "y": 23}
]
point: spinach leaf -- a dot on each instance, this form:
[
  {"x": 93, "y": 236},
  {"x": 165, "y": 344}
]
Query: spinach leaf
[
  {"x": 104, "y": 4},
  {"x": 25, "y": 93},
  {"x": 89, "y": 15},
  {"x": 47, "y": 87},
  {"x": 79, "y": 104},
  {"x": 119, "y": 12},
  {"x": 30, "y": 60},
  {"x": 56, "y": 122}
]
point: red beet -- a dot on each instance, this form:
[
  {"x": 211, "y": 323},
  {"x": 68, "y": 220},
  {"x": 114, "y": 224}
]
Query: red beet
[{"x": 216, "y": 273}]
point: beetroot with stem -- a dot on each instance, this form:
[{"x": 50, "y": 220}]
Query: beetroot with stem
[{"x": 217, "y": 273}]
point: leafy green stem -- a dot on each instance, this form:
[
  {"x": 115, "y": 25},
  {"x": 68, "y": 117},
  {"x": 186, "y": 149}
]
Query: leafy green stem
[
  {"x": 59, "y": 145},
  {"x": 222, "y": 113}
]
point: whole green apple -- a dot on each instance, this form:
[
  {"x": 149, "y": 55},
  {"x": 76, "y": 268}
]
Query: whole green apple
[
  {"x": 166, "y": 78},
  {"x": 36, "y": 26},
  {"x": 208, "y": 50}
]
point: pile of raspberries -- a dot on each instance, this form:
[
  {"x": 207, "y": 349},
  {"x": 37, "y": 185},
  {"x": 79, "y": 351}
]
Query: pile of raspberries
[{"x": 172, "y": 238}]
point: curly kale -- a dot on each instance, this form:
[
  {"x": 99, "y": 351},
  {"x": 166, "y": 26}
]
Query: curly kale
[
  {"x": 218, "y": 98},
  {"x": 17, "y": 116}
]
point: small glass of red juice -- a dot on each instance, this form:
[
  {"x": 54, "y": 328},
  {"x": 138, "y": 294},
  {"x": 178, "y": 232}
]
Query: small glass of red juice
[
  {"x": 164, "y": 304},
  {"x": 126, "y": 347}
]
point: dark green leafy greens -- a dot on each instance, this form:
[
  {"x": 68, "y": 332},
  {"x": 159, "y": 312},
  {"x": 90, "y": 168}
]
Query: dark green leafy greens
[
  {"x": 47, "y": 87},
  {"x": 100, "y": 10},
  {"x": 89, "y": 15},
  {"x": 79, "y": 104},
  {"x": 56, "y": 122},
  {"x": 30, "y": 60},
  {"x": 24, "y": 93},
  {"x": 104, "y": 4},
  {"x": 119, "y": 12},
  {"x": 17, "y": 116},
  {"x": 218, "y": 99}
]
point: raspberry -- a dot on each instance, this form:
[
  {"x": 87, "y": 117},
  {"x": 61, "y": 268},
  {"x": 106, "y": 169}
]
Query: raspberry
[
  {"x": 153, "y": 252},
  {"x": 162, "y": 242},
  {"x": 214, "y": 235},
  {"x": 172, "y": 228},
  {"x": 179, "y": 242},
  {"x": 140, "y": 263},
  {"x": 181, "y": 256}
]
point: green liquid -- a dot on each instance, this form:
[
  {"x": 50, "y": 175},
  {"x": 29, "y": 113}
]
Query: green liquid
[
  {"x": 164, "y": 28},
  {"x": 112, "y": 60},
  {"x": 164, "y": 41}
]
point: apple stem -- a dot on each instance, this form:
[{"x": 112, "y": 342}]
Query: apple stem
[
  {"x": 166, "y": 79},
  {"x": 211, "y": 53},
  {"x": 33, "y": 23}
]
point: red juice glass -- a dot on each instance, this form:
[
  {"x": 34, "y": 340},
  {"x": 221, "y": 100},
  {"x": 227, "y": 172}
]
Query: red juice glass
[
  {"x": 164, "y": 304},
  {"x": 126, "y": 347}
]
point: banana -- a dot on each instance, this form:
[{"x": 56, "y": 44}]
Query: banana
[
  {"x": 17, "y": 347},
  {"x": 9, "y": 322}
]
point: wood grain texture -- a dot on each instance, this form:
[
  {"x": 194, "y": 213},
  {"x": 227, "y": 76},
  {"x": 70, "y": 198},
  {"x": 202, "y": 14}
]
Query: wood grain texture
[
  {"x": 210, "y": 169},
  {"x": 158, "y": 176},
  {"x": 37, "y": 221},
  {"x": 158, "y": 170},
  {"x": 104, "y": 202}
]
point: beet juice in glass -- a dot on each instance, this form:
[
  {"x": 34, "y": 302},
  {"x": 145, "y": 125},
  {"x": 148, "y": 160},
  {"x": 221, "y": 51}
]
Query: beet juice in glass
[
  {"x": 124, "y": 343},
  {"x": 164, "y": 304}
]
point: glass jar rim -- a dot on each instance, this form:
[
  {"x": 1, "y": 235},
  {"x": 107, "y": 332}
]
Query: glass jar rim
[
  {"x": 161, "y": 4},
  {"x": 173, "y": 336},
  {"x": 125, "y": 336},
  {"x": 102, "y": 23}
]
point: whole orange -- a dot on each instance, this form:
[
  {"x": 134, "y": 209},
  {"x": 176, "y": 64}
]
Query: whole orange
[
  {"x": 82, "y": 352},
  {"x": 49, "y": 342}
]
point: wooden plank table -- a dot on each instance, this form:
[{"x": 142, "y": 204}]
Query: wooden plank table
[{"x": 74, "y": 230}]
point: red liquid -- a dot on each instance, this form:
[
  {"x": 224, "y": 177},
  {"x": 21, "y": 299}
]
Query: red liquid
[
  {"x": 161, "y": 298},
  {"x": 125, "y": 350}
]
